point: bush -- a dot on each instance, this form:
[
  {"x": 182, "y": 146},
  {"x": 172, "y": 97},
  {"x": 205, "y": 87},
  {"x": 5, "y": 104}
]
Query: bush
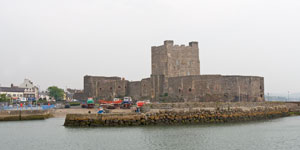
[{"x": 74, "y": 103}]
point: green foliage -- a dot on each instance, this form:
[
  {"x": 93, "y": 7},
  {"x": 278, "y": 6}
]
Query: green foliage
[
  {"x": 56, "y": 92},
  {"x": 74, "y": 103},
  {"x": 4, "y": 98},
  {"x": 42, "y": 101}
]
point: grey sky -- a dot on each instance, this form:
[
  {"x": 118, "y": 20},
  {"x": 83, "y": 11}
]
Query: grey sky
[{"x": 57, "y": 42}]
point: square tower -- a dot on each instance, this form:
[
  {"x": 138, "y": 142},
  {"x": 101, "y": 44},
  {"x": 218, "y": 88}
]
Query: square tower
[{"x": 173, "y": 60}]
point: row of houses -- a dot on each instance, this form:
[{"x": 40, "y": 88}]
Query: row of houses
[
  {"x": 28, "y": 91},
  {"x": 25, "y": 91}
]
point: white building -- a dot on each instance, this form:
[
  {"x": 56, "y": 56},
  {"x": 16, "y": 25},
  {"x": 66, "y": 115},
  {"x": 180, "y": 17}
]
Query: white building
[
  {"x": 31, "y": 91},
  {"x": 44, "y": 95}
]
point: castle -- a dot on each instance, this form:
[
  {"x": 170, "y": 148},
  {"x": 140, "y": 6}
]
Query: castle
[{"x": 176, "y": 77}]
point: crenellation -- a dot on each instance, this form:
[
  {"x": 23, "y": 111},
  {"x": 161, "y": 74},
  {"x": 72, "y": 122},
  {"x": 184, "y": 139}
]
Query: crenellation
[
  {"x": 168, "y": 43},
  {"x": 193, "y": 44}
]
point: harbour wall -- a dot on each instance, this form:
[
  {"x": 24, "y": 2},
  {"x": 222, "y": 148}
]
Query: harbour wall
[
  {"x": 183, "y": 113},
  {"x": 16, "y": 115}
]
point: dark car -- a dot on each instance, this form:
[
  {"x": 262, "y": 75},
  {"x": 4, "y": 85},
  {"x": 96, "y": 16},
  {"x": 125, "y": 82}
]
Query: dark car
[
  {"x": 83, "y": 105},
  {"x": 67, "y": 106}
]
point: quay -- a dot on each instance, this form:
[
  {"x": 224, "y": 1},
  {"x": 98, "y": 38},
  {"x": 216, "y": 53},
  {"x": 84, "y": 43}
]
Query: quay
[
  {"x": 186, "y": 113},
  {"x": 17, "y": 115}
]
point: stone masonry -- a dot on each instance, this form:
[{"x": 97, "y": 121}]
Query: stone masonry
[{"x": 176, "y": 77}]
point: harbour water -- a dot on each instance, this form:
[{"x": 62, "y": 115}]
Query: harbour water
[{"x": 277, "y": 134}]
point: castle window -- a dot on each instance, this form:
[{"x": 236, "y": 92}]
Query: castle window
[
  {"x": 119, "y": 87},
  {"x": 144, "y": 85},
  {"x": 125, "y": 87},
  {"x": 190, "y": 90},
  {"x": 110, "y": 88},
  {"x": 100, "y": 89},
  {"x": 179, "y": 90},
  {"x": 261, "y": 95}
]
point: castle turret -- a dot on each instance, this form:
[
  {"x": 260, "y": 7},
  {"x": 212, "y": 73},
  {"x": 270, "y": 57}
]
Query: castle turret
[{"x": 173, "y": 60}]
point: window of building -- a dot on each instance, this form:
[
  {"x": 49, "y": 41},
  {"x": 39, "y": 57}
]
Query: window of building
[
  {"x": 179, "y": 90},
  {"x": 190, "y": 89},
  {"x": 119, "y": 87},
  {"x": 100, "y": 89},
  {"x": 110, "y": 88}
]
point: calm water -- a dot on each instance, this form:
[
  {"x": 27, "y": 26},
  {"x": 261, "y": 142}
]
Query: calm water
[{"x": 283, "y": 134}]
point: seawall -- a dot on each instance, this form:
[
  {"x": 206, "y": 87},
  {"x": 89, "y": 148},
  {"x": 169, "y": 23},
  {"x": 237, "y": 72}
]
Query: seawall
[
  {"x": 183, "y": 113},
  {"x": 16, "y": 115}
]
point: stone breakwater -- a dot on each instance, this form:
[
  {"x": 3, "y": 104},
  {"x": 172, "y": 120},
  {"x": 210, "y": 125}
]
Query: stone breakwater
[
  {"x": 178, "y": 115},
  {"x": 16, "y": 115}
]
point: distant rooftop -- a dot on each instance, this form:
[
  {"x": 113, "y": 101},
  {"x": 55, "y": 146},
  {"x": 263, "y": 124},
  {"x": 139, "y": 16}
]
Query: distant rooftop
[{"x": 11, "y": 89}]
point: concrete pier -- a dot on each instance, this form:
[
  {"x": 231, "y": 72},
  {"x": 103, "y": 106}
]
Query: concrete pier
[
  {"x": 16, "y": 115},
  {"x": 184, "y": 113}
]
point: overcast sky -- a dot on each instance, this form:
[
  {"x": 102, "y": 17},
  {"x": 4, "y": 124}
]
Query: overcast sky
[{"x": 57, "y": 42}]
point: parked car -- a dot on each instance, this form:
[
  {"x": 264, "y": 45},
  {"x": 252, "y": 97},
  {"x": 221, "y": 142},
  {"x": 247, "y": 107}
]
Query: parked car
[
  {"x": 83, "y": 105},
  {"x": 67, "y": 106}
]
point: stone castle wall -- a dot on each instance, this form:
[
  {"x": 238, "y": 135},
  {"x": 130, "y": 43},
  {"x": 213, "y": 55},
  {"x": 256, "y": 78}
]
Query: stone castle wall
[
  {"x": 203, "y": 88},
  {"x": 105, "y": 87},
  {"x": 135, "y": 89},
  {"x": 211, "y": 87}
]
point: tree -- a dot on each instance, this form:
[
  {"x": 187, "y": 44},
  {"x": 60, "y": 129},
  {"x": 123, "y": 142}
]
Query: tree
[
  {"x": 4, "y": 98},
  {"x": 56, "y": 92}
]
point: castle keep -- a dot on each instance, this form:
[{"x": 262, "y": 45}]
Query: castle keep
[{"x": 176, "y": 77}]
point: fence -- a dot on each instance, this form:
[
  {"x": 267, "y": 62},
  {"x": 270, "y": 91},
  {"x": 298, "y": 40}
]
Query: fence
[{"x": 27, "y": 107}]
